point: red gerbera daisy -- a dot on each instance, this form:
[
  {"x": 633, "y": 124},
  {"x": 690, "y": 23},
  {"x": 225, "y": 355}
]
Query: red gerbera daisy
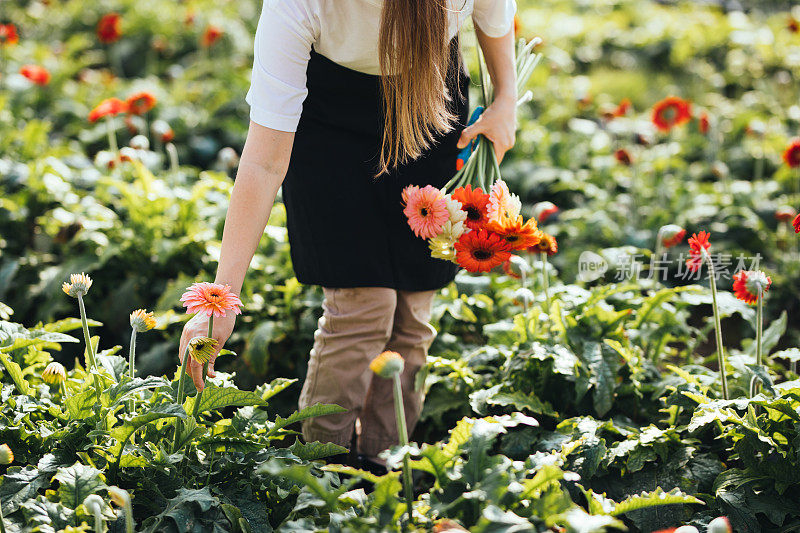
[
  {"x": 670, "y": 112},
  {"x": 792, "y": 154},
  {"x": 108, "y": 29},
  {"x": 796, "y": 224},
  {"x": 141, "y": 102},
  {"x": 37, "y": 74},
  {"x": 8, "y": 35},
  {"x": 749, "y": 284},
  {"x": 211, "y": 35},
  {"x": 108, "y": 107},
  {"x": 481, "y": 251},
  {"x": 475, "y": 203},
  {"x": 697, "y": 243},
  {"x": 547, "y": 244},
  {"x": 623, "y": 157}
]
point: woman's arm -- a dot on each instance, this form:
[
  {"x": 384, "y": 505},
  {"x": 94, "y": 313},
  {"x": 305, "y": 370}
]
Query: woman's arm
[
  {"x": 262, "y": 169},
  {"x": 499, "y": 121}
]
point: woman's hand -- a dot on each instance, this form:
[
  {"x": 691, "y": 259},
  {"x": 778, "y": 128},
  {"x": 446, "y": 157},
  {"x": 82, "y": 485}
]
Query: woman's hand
[
  {"x": 197, "y": 326},
  {"x": 498, "y": 123}
]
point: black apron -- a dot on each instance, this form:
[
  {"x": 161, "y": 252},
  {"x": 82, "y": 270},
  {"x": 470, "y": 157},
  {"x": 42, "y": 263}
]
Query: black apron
[{"x": 347, "y": 228}]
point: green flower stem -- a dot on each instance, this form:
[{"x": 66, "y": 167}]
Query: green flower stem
[
  {"x": 196, "y": 408},
  {"x": 128, "y": 516},
  {"x": 402, "y": 430},
  {"x": 717, "y": 324},
  {"x": 98, "y": 522},
  {"x": 545, "y": 280},
  {"x": 132, "y": 355},
  {"x": 181, "y": 379},
  {"x": 112, "y": 136},
  {"x": 89, "y": 349},
  {"x": 755, "y": 384},
  {"x": 172, "y": 152}
]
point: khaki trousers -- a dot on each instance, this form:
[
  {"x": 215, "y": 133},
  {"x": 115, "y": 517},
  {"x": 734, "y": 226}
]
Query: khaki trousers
[{"x": 357, "y": 324}]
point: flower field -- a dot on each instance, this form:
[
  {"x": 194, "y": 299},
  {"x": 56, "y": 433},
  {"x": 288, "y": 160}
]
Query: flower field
[{"x": 622, "y": 357}]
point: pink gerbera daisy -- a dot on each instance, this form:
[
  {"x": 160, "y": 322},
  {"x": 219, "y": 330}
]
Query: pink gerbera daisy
[
  {"x": 211, "y": 298},
  {"x": 503, "y": 204},
  {"x": 426, "y": 209}
]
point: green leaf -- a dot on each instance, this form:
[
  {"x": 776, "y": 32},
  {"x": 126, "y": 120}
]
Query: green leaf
[
  {"x": 762, "y": 374},
  {"x": 603, "y": 363},
  {"x": 770, "y": 336},
  {"x": 44, "y": 515},
  {"x": 268, "y": 390},
  {"x": 315, "y": 450},
  {"x": 121, "y": 391},
  {"x": 189, "y": 431},
  {"x": 520, "y": 400},
  {"x": 183, "y": 510},
  {"x": 80, "y": 406},
  {"x": 20, "y": 484},
  {"x": 164, "y": 410},
  {"x": 214, "y": 398},
  {"x": 311, "y": 411},
  {"x": 577, "y": 520},
  {"x": 77, "y": 482},
  {"x": 15, "y": 372},
  {"x": 653, "y": 499}
]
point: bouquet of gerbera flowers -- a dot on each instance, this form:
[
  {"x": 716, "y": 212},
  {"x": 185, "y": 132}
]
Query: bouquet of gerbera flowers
[{"x": 475, "y": 221}]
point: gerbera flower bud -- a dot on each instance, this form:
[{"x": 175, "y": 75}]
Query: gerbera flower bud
[
  {"x": 201, "y": 349},
  {"x": 78, "y": 285},
  {"x": 388, "y": 364},
  {"x": 108, "y": 107},
  {"x": 163, "y": 130},
  {"x": 547, "y": 244},
  {"x": 228, "y": 157},
  {"x": 6, "y": 455},
  {"x": 622, "y": 108},
  {"x": 785, "y": 213},
  {"x": 8, "y": 35},
  {"x": 515, "y": 266},
  {"x": 750, "y": 285},
  {"x": 126, "y": 153},
  {"x": 796, "y": 224},
  {"x": 119, "y": 497},
  {"x": 792, "y": 153},
  {"x": 720, "y": 169},
  {"x": 671, "y": 235},
  {"x": 756, "y": 127},
  {"x": 211, "y": 35},
  {"x": 720, "y": 525},
  {"x": 623, "y": 157},
  {"x": 141, "y": 320},
  {"x": 54, "y": 374},
  {"x": 703, "y": 123},
  {"x": 94, "y": 504},
  {"x": 686, "y": 529},
  {"x": 105, "y": 159},
  {"x": 697, "y": 243},
  {"x": 140, "y": 142},
  {"x": 523, "y": 296},
  {"x": 211, "y": 299},
  {"x": 544, "y": 210}
]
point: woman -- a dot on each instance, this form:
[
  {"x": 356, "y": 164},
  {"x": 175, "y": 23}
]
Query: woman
[{"x": 344, "y": 140}]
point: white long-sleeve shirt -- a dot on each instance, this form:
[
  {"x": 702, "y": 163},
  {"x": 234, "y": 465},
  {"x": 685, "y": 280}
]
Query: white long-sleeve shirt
[{"x": 344, "y": 31}]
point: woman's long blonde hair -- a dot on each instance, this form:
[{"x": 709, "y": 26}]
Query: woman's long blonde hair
[{"x": 413, "y": 49}]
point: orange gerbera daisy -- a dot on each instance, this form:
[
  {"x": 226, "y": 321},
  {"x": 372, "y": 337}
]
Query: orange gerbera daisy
[
  {"x": 481, "y": 251},
  {"x": 35, "y": 73},
  {"x": 517, "y": 234},
  {"x": 547, "y": 244},
  {"x": 697, "y": 243},
  {"x": 8, "y": 35},
  {"x": 141, "y": 102},
  {"x": 792, "y": 154},
  {"x": 749, "y": 284},
  {"x": 211, "y": 298},
  {"x": 670, "y": 112},
  {"x": 108, "y": 107},
  {"x": 796, "y": 224},
  {"x": 475, "y": 203},
  {"x": 211, "y": 35},
  {"x": 108, "y": 29}
]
